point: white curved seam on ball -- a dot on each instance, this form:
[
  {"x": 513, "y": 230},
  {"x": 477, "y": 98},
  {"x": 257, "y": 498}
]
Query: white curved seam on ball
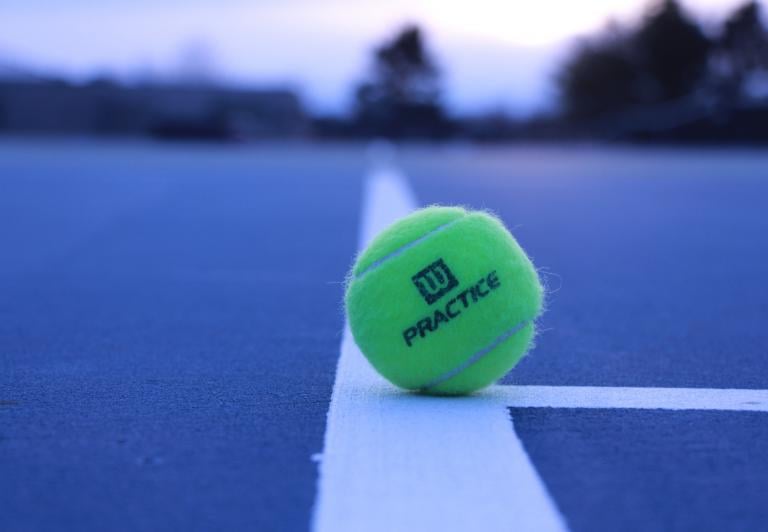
[
  {"x": 476, "y": 356},
  {"x": 375, "y": 264}
]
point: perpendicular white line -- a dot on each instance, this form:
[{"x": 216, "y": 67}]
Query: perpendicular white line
[
  {"x": 621, "y": 397},
  {"x": 398, "y": 461}
]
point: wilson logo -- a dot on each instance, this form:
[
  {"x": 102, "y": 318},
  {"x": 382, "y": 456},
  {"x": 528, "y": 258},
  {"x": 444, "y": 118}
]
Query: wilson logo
[{"x": 435, "y": 281}]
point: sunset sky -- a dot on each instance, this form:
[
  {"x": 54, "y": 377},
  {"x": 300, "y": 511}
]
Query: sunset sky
[{"x": 493, "y": 53}]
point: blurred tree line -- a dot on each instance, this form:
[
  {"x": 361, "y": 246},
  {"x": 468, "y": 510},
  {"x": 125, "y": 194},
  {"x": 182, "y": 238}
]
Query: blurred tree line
[
  {"x": 661, "y": 75},
  {"x": 664, "y": 77},
  {"x": 665, "y": 58}
]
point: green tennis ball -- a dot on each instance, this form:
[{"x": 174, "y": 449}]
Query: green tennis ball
[{"x": 444, "y": 301}]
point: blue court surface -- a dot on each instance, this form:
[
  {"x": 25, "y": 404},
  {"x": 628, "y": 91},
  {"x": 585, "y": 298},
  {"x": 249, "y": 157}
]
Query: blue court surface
[{"x": 173, "y": 350}]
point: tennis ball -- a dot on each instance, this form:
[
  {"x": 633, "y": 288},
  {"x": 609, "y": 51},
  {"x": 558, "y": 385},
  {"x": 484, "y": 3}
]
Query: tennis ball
[{"x": 444, "y": 301}]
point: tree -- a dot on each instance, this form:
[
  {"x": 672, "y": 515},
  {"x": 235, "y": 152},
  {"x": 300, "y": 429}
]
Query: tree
[
  {"x": 599, "y": 78},
  {"x": 672, "y": 51},
  {"x": 742, "y": 50},
  {"x": 663, "y": 59},
  {"x": 401, "y": 97}
]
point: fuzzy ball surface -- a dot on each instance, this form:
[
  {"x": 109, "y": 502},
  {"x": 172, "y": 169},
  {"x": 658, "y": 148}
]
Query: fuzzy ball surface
[{"x": 444, "y": 301}]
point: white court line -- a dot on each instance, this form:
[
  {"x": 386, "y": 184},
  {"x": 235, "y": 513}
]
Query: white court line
[
  {"x": 395, "y": 461},
  {"x": 648, "y": 398}
]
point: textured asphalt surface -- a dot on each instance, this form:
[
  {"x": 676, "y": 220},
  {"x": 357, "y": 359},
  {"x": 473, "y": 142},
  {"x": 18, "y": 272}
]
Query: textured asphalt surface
[
  {"x": 170, "y": 322},
  {"x": 651, "y": 469},
  {"x": 656, "y": 262}
]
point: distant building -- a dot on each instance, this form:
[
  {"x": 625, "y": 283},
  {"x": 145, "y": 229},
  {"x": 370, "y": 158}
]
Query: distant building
[{"x": 105, "y": 108}]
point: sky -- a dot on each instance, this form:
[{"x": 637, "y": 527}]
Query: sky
[{"x": 493, "y": 54}]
